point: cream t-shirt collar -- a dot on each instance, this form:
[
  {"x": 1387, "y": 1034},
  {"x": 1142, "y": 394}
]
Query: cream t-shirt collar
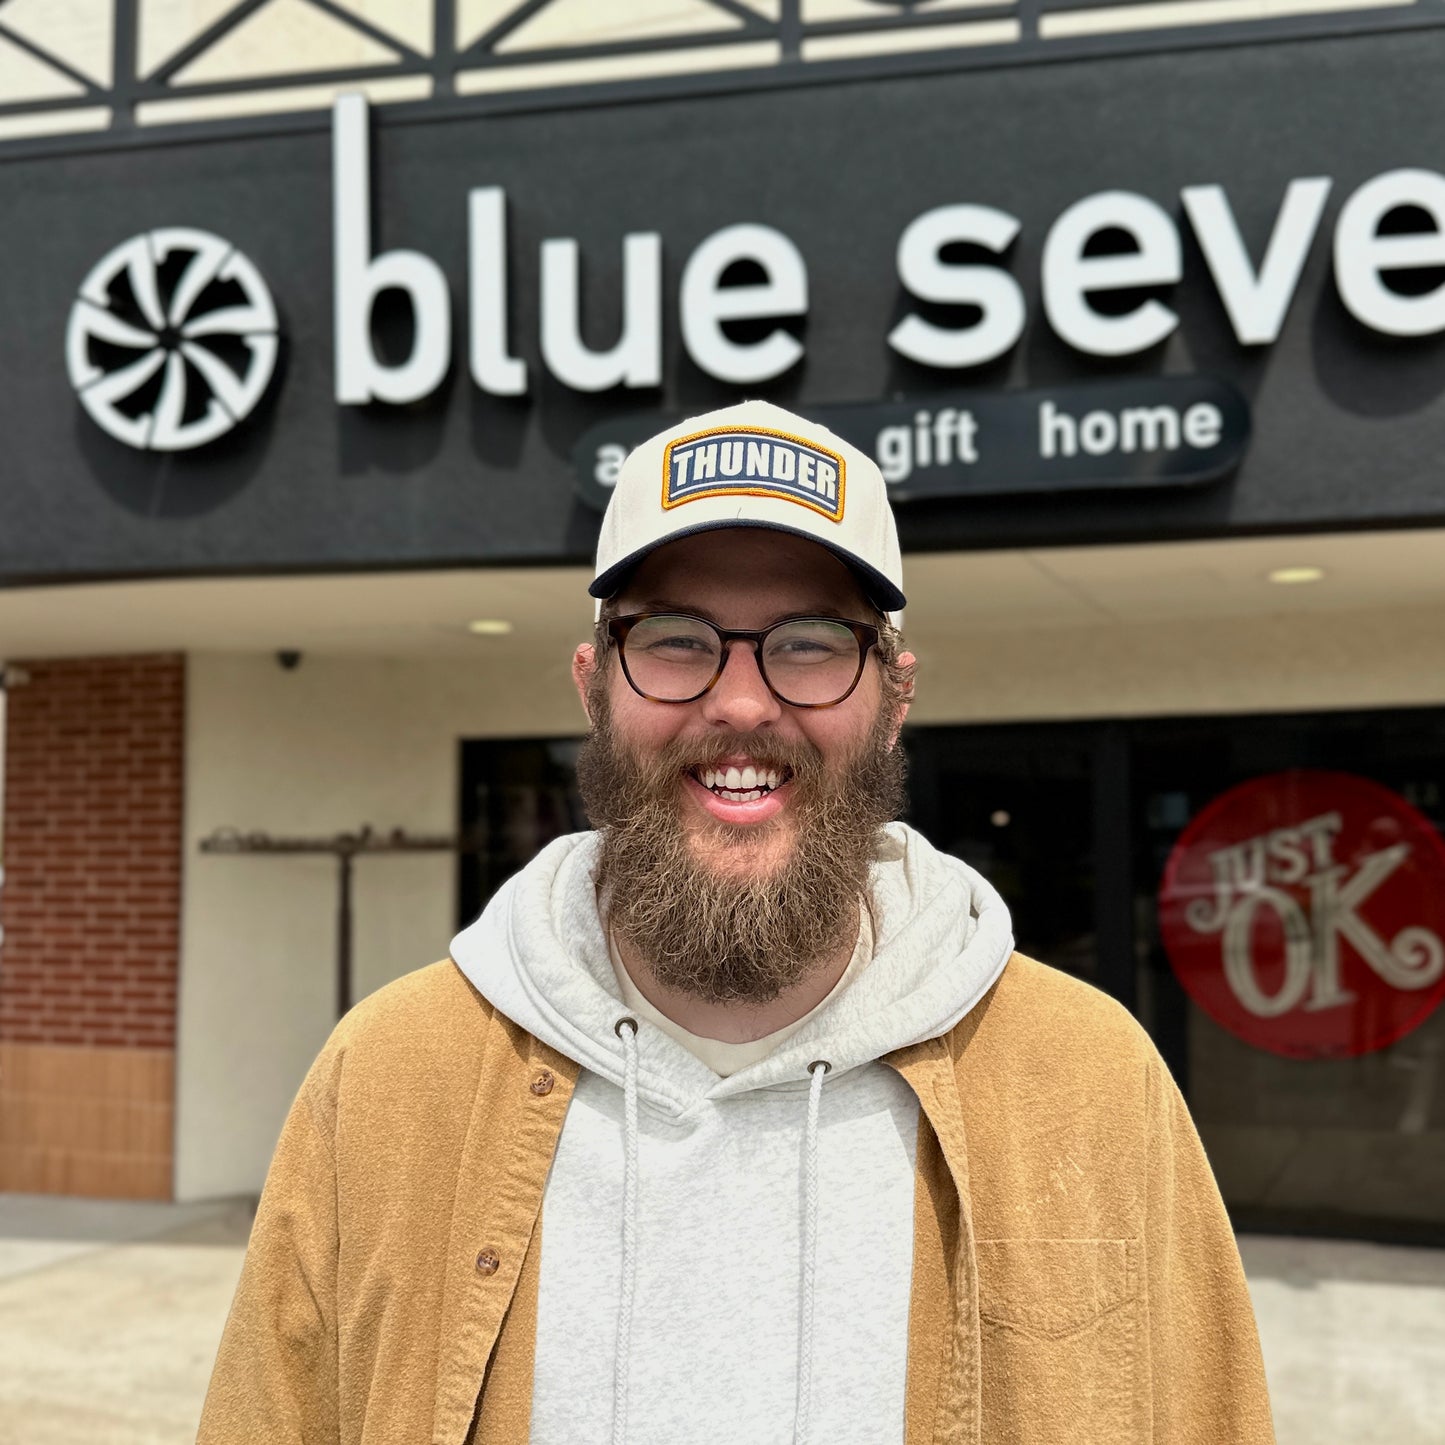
[{"x": 722, "y": 1057}]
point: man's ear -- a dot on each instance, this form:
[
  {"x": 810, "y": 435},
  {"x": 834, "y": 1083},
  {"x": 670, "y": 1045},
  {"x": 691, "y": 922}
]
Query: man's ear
[
  {"x": 584, "y": 665},
  {"x": 909, "y": 664}
]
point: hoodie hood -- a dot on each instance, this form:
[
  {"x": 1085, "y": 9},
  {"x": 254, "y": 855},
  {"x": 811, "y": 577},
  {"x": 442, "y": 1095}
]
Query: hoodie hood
[{"x": 539, "y": 954}]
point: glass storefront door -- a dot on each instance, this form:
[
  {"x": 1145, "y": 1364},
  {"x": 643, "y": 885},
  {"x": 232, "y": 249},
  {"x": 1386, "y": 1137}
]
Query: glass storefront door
[{"x": 1352, "y": 1142}]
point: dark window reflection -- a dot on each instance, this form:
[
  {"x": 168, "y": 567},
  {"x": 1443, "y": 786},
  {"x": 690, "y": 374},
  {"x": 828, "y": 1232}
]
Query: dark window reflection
[
  {"x": 518, "y": 794},
  {"x": 1015, "y": 803}
]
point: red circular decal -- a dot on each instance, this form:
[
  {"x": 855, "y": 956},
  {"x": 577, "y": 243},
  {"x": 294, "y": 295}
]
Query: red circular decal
[{"x": 1305, "y": 912}]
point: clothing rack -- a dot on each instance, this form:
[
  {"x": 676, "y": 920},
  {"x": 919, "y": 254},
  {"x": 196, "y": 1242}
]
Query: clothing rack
[{"x": 345, "y": 848}]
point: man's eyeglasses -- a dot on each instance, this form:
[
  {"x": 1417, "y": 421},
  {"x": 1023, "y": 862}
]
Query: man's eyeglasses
[{"x": 805, "y": 661}]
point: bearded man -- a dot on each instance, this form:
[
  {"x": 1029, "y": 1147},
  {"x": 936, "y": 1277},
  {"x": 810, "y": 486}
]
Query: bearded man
[{"x": 739, "y": 1120}]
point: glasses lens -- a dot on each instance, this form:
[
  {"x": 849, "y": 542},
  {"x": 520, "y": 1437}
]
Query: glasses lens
[
  {"x": 811, "y": 661},
  {"x": 671, "y": 658}
]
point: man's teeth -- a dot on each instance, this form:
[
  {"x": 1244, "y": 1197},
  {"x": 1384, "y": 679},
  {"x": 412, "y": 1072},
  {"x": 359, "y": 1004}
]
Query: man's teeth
[{"x": 744, "y": 784}]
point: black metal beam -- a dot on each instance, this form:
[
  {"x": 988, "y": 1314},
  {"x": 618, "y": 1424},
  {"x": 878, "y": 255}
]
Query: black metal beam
[
  {"x": 54, "y": 62},
  {"x": 444, "y": 47},
  {"x": 125, "y": 64},
  {"x": 929, "y": 20},
  {"x": 201, "y": 43},
  {"x": 489, "y": 39},
  {"x": 607, "y": 50},
  {"x": 745, "y": 13},
  {"x": 355, "y": 22},
  {"x": 149, "y": 92},
  {"x": 790, "y": 29}
]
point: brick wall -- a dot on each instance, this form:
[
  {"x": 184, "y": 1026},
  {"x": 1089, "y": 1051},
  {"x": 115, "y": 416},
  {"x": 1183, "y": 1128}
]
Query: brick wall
[{"x": 91, "y": 914}]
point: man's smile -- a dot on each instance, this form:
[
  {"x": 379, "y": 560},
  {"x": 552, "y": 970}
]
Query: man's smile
[
  {"x": 740, "y": 790},
  {"x": 742, "y": 782}
]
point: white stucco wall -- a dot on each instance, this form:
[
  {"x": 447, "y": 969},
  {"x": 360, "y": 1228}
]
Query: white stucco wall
[
  {"x": 335, "y": 744},
  {"x": 1265, "y": 662}
]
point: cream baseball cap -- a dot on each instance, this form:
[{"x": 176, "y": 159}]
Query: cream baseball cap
[{"x": 752, "y": 465}]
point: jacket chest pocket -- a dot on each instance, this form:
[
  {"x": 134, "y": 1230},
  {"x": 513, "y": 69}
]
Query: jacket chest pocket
[{"x": 1062, "y": 1329}]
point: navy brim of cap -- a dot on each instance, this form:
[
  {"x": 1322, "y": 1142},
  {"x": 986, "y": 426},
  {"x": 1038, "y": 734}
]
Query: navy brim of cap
[{"x": 880, "y": 591}]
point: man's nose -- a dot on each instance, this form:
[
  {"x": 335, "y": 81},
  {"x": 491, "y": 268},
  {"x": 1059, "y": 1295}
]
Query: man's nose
[{"x": 740, "y": 698}]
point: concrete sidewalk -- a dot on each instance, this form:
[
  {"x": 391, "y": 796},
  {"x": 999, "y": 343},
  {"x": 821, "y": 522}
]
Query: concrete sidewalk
[
  {"x": 1353, "y": 1337},
  {"x": 110, "y": 1314}
]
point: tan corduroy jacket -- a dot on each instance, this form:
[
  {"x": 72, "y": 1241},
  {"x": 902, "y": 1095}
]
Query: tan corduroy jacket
[{"x": 1074, "y": 1280}]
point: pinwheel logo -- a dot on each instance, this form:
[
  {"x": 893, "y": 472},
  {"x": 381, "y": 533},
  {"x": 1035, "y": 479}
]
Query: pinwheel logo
[{"x": 172, "y": 339}]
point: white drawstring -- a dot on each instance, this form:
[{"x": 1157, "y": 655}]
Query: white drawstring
[
  {"x": 817, "y": 1069},
  {"x": 626, "y": 1030}
]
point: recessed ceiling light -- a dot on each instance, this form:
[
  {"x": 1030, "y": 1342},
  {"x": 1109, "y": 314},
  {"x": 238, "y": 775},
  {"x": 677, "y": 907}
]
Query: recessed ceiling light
[
  {"x": 1000, "y": 818},
  {"x": 1286, "y": 576},
  {"x": 489, "y": 626}
]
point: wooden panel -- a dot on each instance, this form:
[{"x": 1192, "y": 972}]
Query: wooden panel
[{"x": 90, "y": 1121}]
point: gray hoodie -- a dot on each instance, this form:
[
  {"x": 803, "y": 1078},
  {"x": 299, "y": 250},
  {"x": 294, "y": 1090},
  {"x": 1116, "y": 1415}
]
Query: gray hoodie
[{"x": 729, "y": 1259}]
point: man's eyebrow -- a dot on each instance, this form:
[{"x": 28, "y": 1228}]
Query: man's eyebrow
[
  {"x": 692, "y": 609},
  {"x": 661, "y": 604}
]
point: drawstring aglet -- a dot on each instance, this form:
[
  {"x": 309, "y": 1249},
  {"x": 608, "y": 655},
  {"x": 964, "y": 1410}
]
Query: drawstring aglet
[
  {"x": 626, "y": 1029},
  {"x": 817, "y": 1071}
]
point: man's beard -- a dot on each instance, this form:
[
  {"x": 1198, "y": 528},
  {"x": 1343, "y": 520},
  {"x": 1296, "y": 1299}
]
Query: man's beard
[{"x": 736, "y": 937}]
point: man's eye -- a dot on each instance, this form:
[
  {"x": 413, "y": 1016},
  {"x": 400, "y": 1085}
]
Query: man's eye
[
  {"x": 679, "y": 644},
  {"x": 805, "y": 647}
]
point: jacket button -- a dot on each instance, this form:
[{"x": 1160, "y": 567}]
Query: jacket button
[
  {"x": 542, "y": 1084},
  {"x": 488, "y": 1261}
]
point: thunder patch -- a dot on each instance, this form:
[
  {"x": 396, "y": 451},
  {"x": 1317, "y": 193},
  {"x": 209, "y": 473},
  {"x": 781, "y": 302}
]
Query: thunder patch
[{"x": 753, "y": 462}]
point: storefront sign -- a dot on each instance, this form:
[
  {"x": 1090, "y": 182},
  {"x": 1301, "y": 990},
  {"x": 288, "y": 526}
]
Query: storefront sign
[
  {"x": 121, "y": 311},
  {"x": 1169, "y": 431},
  {"x": 1305, "y": 913},
  {"x": 1092, "y": 301},
  {"x": 1227, "y": 325}
]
